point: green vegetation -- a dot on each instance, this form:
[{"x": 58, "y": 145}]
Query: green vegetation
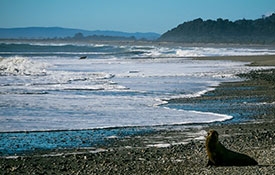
[{"x": 259, "y": 31}]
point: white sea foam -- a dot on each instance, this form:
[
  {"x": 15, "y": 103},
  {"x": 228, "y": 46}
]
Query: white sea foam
[
  {"x": 62, "y": 44},
  {"x": 187, "y": 135},
  {"x": 192, "y": 95},
  {"x": 82, "y": 111},
  {"x": 205, "y": 51},
  {"x": 40, "y": 92},
  {"x": 99, "y": 114},
  {"x": 21, "y": 66}
]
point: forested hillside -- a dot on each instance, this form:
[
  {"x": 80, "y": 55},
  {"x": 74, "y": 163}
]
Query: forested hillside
[{"x": 259, "y": 31}]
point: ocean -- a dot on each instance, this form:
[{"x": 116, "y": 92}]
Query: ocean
[{"x": 47, "y": 92}]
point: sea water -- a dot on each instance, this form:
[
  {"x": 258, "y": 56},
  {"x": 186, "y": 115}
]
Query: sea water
[{"x": 47, "y": 87}]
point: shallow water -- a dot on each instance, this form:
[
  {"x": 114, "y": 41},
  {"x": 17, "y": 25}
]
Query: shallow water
[{"x": 18, "y": 143}]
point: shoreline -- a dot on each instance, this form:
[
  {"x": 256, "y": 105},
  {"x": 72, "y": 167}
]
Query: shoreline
[
  {"x": 253, "y": 60},
  {"x": 175, "y": 149}
]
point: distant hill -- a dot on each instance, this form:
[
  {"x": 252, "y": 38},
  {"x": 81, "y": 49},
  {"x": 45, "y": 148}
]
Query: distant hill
[
  {"x": 259, "y": 31},
  {"x": 58, "y": 32}
]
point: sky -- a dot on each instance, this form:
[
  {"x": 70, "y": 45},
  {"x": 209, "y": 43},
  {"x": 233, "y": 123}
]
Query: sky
[{"x": 126, "y": 15}]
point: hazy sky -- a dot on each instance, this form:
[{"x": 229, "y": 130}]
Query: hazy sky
[{"x": 126, "y": 15}]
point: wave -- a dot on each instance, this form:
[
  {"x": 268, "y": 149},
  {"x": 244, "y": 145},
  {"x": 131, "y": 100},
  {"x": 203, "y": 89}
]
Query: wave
[
  {"x": 102, "y": 92},
  {"x": 222, "y": 117},
  {"x": 172, "y": 117},
  {"x": 187, "y": 52},
  {"x": 67, "y": 44},
  {"x": 17, "y": 65},
  {"x": 55, "y": 48},
  {"x": 121, "y": 51},
  {"x": 164, "y": 101},
  {"x": 205, "y": 52}
]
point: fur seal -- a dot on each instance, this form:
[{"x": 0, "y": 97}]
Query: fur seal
[
  {"x": 220, "y": 156},
  {"x": 83, "y": 57}
]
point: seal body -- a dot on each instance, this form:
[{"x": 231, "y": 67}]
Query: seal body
[{"x": 220, "y": 156}]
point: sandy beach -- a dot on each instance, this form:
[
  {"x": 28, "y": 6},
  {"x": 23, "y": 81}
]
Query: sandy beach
[{"x": 177, "y": 149}]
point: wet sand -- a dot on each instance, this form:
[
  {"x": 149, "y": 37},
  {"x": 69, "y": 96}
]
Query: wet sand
[
  {"x": 262, "y": 60},
  {"x": 177, "y": 149}
]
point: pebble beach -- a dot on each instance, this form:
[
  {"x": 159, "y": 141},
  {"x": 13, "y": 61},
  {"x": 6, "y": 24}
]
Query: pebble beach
[{"x": 178, "y": 149}]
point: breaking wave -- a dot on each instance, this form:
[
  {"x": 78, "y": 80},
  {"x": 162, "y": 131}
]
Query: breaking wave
[{"x": 17, "y": 65}]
